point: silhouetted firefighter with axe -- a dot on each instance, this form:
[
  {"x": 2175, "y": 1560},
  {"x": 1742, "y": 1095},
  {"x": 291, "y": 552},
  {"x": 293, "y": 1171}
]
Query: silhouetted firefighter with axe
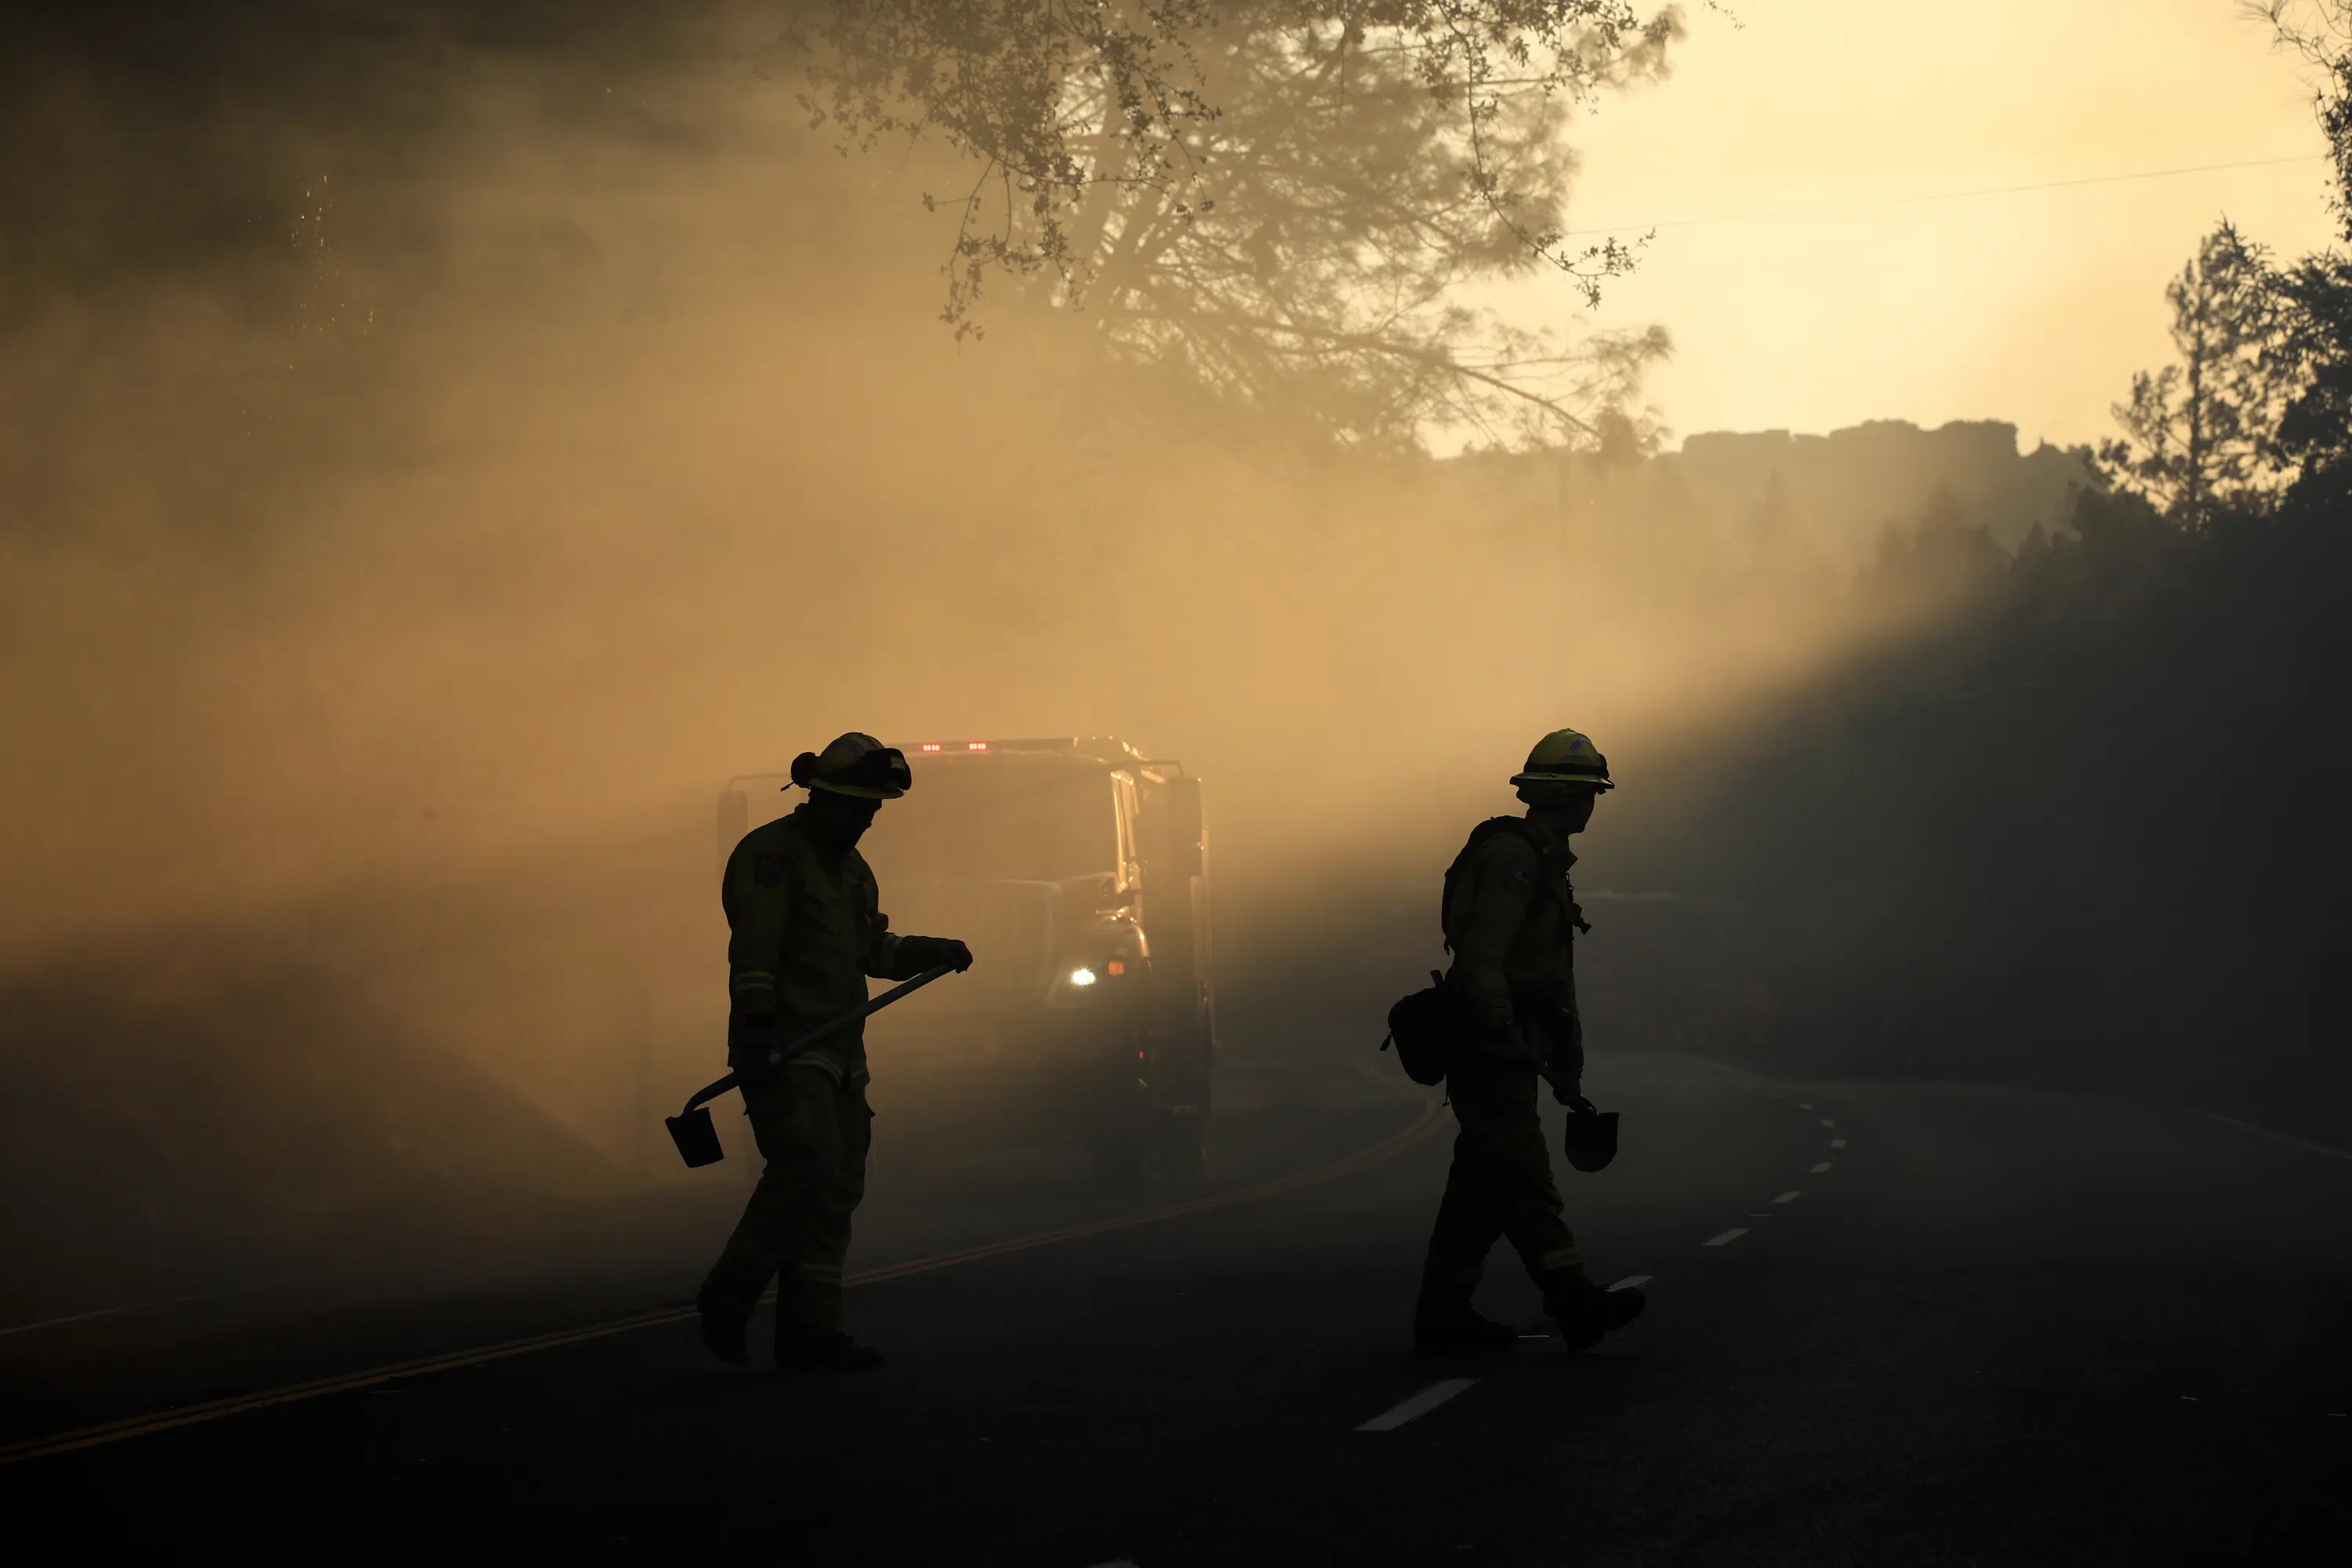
[{"x": 808, "y": 930}]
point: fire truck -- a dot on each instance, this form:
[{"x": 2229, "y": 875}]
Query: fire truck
[{"x": 1077, "y": 871}]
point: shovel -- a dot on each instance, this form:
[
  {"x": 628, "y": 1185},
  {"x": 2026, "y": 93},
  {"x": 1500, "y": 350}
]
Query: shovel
[
  {"x": 1590, "y": 1137},
  {"x": 690, "y": 1130}
]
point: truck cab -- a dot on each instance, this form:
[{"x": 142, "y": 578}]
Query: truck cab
[{"x": 1077, "y": 871}]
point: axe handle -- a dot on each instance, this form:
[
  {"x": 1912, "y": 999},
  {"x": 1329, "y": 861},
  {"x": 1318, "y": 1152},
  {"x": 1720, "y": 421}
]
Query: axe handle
[{"x": 783, "y": 1054}]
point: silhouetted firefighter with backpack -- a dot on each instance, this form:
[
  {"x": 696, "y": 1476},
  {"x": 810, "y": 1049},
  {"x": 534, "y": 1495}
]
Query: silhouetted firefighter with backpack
[{"x": 1510, "y": 919}]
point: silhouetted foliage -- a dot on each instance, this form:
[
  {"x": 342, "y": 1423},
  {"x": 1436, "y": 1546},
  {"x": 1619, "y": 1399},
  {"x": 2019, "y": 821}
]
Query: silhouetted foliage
[
  {"x": 2314, "y": 432},
  {"x": 1278, "y": 198},
  {"x": 2315, "y": 435},
  {"x": 2202, "y": 432}
]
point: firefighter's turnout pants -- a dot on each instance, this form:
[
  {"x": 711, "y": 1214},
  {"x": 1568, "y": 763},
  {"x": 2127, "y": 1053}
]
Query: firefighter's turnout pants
[
  {"x": 1500, "y": 1185},
  {"x": 814, "y": 1133}
]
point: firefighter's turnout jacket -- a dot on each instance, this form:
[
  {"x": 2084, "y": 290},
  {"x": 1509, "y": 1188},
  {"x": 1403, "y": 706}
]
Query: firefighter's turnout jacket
[
  {"x": 1511, "y": 921},
  {"x": 807, "y": 928}
]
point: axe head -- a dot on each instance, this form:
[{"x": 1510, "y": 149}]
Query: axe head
[{"x": 697, "y": 1139}]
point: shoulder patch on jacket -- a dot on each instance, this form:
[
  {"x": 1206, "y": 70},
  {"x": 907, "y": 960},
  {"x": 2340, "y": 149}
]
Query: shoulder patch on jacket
[
  {"x": 768, "y": 868},
  {"x": 1506, "y": 836}
]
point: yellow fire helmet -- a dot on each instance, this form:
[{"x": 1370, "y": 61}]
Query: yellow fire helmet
[
  {"x": 854, "y": 764},
  {"x": 1565, "y": 757}
]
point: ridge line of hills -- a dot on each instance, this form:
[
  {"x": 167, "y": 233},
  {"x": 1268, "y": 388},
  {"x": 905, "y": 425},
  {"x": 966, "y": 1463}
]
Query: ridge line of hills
[{"x": 1839, "y": 492}]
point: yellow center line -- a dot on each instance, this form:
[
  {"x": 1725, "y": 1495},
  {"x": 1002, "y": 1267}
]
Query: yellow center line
[{"x": 1432, "y": 1114}]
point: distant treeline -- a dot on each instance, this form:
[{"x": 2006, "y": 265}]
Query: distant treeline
[
  {"x": 2089, "y": 826},
  {"x": 1836, "y": 496},
  {"x": 2090, "y": 831}
]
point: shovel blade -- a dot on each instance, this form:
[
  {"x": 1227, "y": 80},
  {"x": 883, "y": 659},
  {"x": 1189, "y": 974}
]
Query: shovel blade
[
  {"x": 697, "y": 1139},
  {"x": 1591, "y": 1140}
]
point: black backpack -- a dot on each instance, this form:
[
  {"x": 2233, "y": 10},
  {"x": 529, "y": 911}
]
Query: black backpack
[{"x": 1425, "y": 1028}]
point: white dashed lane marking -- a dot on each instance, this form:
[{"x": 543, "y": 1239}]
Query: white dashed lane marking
[
  {"x": 1630, "y": 1280},
  {"x": 1827, "y": 1122},
  {"x": 1726, "y": 1238},
  {"x": 1819, "y": 1168},
  {"x": 1837, "y": 1143},
  {"x": 1804, "y": 1105},
  {"x": 1420, "y": 1404},
  {"x": 1786, "y": 1198}
]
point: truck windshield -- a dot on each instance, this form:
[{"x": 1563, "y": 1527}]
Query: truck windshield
[{"x": 997, "y": 819}]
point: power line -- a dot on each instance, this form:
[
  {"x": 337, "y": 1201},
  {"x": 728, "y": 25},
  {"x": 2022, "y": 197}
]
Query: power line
[{"x": 1944, "y": 196}]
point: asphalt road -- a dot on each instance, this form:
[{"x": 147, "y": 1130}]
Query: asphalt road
[{"x": 1889, "y": 1322}]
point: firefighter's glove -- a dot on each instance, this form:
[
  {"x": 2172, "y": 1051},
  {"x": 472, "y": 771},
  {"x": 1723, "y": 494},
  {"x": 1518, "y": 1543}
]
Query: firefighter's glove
[
  {"x": 919, "y": 953},
  {"x": 1566, "y": 1081},
  {"x": 749, "y": 1039}
]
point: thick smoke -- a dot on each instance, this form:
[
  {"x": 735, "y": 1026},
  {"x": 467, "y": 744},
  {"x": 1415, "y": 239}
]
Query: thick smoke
[{"x": 436, "y": 454}]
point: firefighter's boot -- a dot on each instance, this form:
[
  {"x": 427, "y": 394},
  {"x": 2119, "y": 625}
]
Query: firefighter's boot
[
  {"x": 722, "y": 1334},
  {"x": 1584, "y": 1311}
]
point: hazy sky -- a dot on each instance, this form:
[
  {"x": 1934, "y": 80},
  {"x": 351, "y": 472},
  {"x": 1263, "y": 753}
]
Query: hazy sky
[{"x": 2032, "y": 307}]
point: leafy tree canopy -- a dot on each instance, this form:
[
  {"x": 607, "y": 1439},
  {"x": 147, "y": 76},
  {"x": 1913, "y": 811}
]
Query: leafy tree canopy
[
  {"x": 2202, "y": 432},
  {"x": 1280, "y": 198},
  {"x": 2256, "y": 410},
  {"x": 2313, "y": 435}
]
